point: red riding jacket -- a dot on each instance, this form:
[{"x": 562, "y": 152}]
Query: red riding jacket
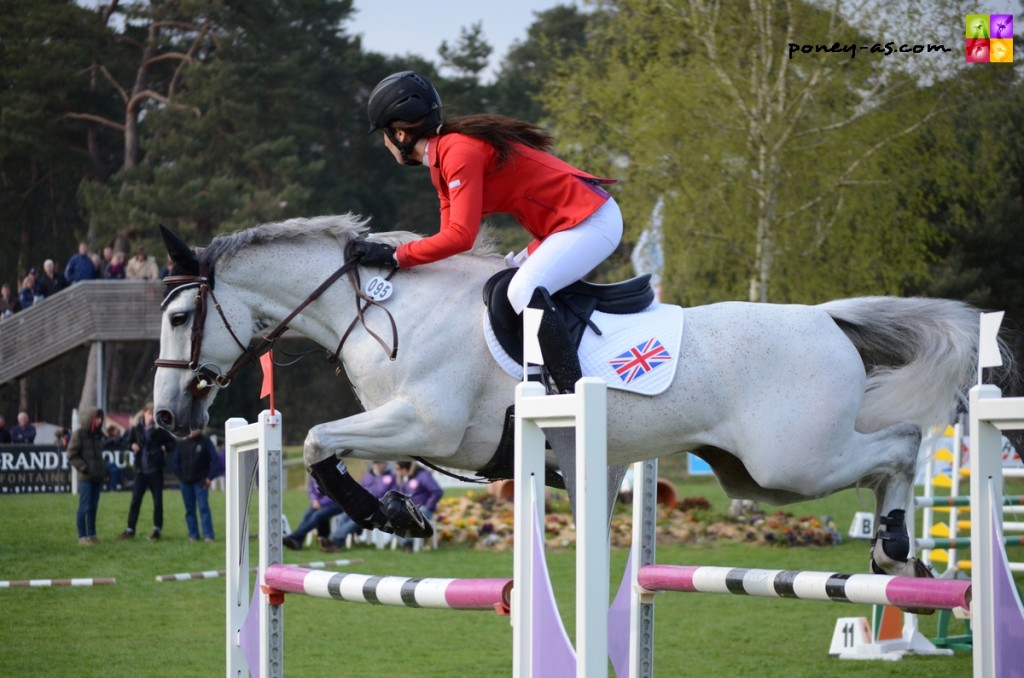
[{"x": 543, "y": 193}]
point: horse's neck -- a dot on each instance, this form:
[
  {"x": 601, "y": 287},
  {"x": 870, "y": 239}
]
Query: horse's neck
[{"x": 427, "y": 302}]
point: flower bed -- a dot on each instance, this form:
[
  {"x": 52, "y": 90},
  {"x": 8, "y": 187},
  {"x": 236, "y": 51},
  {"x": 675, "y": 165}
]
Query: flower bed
[{"x": 484, "y": 521}]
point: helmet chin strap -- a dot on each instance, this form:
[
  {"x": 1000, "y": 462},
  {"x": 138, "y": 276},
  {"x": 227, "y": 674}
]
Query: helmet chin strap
[{"x": 406, "y": 148}]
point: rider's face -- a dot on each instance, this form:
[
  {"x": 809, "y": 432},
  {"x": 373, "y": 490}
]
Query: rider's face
[{"x": 391, "y": 147}]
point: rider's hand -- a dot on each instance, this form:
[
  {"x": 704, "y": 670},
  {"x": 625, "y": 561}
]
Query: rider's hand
[{"x": 374, "y": 253}]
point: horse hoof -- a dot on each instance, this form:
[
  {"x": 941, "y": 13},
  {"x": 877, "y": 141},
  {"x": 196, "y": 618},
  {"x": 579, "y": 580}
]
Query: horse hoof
[{"x": 403, "y": 517}]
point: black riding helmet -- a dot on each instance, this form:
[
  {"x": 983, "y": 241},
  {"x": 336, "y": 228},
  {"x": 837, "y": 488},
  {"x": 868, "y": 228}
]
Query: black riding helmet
[{"x": 406, "y": 97}]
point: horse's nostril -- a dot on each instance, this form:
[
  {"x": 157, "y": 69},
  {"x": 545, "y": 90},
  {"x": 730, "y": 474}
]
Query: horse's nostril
[{"x": 165, "y": 418}]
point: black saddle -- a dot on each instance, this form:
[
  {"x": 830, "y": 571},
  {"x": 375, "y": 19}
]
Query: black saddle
[{"x": 576, "y": 303}]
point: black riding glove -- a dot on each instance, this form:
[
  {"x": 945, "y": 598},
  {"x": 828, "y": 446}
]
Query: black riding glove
[{"x": 374, "y": 253}]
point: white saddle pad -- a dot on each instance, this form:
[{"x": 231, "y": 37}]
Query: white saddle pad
[{"x": 638, "y": 352}]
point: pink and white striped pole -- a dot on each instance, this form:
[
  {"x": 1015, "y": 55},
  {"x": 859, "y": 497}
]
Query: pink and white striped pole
[
  {"x": 439, "y": 593},
  {"x": 870, "y": 589}
]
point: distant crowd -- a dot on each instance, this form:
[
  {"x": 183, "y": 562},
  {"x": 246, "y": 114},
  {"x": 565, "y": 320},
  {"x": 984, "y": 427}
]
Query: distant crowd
[{"x": 85, "y": 265}]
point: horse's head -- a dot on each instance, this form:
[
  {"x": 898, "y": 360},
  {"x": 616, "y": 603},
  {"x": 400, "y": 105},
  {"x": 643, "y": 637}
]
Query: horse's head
[{"x": 200, "y": 342}]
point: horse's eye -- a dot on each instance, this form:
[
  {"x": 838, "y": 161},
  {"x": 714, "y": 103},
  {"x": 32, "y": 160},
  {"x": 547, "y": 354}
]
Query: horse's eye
[{"x": 178, "y": 319}]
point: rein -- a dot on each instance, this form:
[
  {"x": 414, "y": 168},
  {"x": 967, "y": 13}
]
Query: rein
[{"x": 205, "y": 376}]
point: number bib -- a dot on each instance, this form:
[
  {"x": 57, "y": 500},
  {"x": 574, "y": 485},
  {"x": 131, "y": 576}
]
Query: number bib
[{"x": 378, "y": 289}]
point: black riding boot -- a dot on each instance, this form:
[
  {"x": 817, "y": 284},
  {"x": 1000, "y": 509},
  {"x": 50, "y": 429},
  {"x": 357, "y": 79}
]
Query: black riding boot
[
  {"x": 556, "y": 346},
  {"x": 394, "y": 513}
]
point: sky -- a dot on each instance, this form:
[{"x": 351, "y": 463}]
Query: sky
[{"x": 399, "y": 27}]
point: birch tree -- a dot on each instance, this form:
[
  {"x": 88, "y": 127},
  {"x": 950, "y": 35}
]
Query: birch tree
[{"x": 779, "y": 149}]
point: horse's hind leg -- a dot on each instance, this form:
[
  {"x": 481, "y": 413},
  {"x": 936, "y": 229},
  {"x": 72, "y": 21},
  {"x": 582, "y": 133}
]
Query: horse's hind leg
[
  {"x": 885, "y": 460},
  {"x": 894, "y": 486}
]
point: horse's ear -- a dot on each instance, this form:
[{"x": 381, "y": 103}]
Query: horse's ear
[{"x": 182, "y": 255}]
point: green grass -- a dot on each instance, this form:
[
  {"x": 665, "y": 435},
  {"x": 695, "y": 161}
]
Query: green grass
[{"x": 144, "y": 628}]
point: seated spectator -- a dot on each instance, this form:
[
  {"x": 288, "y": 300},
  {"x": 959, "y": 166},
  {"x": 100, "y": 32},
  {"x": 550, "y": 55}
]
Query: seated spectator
[
  {"x": 5, "y": 435},
  {"x": 9, "y": 304},
  {"x": 80, "y": 266},
  {"x": 142, "y": 267},
  {"x": 115, "y": 270},
  {"x": 27, "y": 295},
  {"x": 419, "y": 483},
  {"x": 24, "y": 432},
  {"x": 318, "y": 516},
  {"x": 50, "y": 282}
]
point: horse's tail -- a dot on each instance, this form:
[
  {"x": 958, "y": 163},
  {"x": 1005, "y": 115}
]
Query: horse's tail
[{"x": 921, "y": 356}]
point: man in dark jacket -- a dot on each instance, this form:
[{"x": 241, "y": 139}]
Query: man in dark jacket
[
  {"x": 195, "y": 462},
  {"x": 151, "y": 445},
  {"x": 85, "y": 454},
  {"x": 24, "y": 432}
]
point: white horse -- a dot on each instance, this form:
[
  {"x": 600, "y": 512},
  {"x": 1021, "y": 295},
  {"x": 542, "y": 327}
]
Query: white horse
[{"x": 785, "y": 402}]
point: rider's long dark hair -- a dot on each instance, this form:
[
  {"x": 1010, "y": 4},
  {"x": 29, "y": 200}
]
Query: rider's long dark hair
[{"x": 499, "y": 131}]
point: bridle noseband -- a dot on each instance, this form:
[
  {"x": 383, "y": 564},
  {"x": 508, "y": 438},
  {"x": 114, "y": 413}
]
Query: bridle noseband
[{"x": 207, "y": 375}]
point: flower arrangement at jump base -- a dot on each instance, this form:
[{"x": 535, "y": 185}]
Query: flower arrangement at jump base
[{"x": 484, "y": 521}]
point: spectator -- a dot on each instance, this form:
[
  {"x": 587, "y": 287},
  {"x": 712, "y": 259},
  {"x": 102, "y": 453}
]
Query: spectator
[
  {"x": 195, "y": 462},
  {"x": 24, "y": 432},
  {"x": 318, "y": 516},
  {"x": 151, "y": 446},
  {"x": 86, "y": 455},
  {"x": 50, "y": 282},
  {"x": 142, "y": 267},
  {"x": 379, "y": 478},
  {"x": 115, "y": 269},
  {"x": 5, "y": 435},
  {"x": 108, "y": 258},
  {"x": 27, "y": 294},
  {"x": 97, "y": 266},
  {"x": 9, "y": 304},
  {"x": 80, "y": 266},
  {"x": 114, "y": 442},
  {"x": 420, "y": 485},
  {"x": 167, "y": 268}
]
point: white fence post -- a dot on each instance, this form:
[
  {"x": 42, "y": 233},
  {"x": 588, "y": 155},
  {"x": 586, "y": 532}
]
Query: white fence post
[{"x": 253, "y": 454}]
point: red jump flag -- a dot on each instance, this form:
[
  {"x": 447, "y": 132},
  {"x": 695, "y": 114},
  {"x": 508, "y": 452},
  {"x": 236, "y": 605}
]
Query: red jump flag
[{"x": 267, "y": 363}]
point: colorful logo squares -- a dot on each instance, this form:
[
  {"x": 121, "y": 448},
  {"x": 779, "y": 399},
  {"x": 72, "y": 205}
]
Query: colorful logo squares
[{"x": 989, "y": 38}]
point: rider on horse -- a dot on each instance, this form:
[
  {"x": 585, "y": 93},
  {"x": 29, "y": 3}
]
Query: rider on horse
[
  {"x": 480, "y": 165},
  {"x": 489, "y": 164}
]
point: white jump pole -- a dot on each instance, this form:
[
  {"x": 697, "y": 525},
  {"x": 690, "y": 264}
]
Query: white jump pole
[
  {"x": 990, "y": 415},
  {"x": 253, "y": 454},
  {"x": 586, "y": 412}
]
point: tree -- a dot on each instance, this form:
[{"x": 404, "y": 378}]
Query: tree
[
  {"x": 555, "y": 35},
  {"x": 770, "y": 167},
  {"x": 42, "y": 157}
]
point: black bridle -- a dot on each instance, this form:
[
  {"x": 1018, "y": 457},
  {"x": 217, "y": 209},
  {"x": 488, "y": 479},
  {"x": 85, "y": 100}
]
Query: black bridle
[{"x": 206, "y": 375}]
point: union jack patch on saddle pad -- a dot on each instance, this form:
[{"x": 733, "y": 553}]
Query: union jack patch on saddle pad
[{"x": 639, "y": 360}]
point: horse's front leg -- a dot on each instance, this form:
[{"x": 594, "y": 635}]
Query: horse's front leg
[{"x": 392, "y": 429}]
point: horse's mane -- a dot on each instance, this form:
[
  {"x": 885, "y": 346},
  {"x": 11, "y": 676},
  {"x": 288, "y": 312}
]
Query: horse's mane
[{"x": 340, "y": 228}]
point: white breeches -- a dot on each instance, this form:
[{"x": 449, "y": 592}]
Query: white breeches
[{"x": 567, "y": 256}]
